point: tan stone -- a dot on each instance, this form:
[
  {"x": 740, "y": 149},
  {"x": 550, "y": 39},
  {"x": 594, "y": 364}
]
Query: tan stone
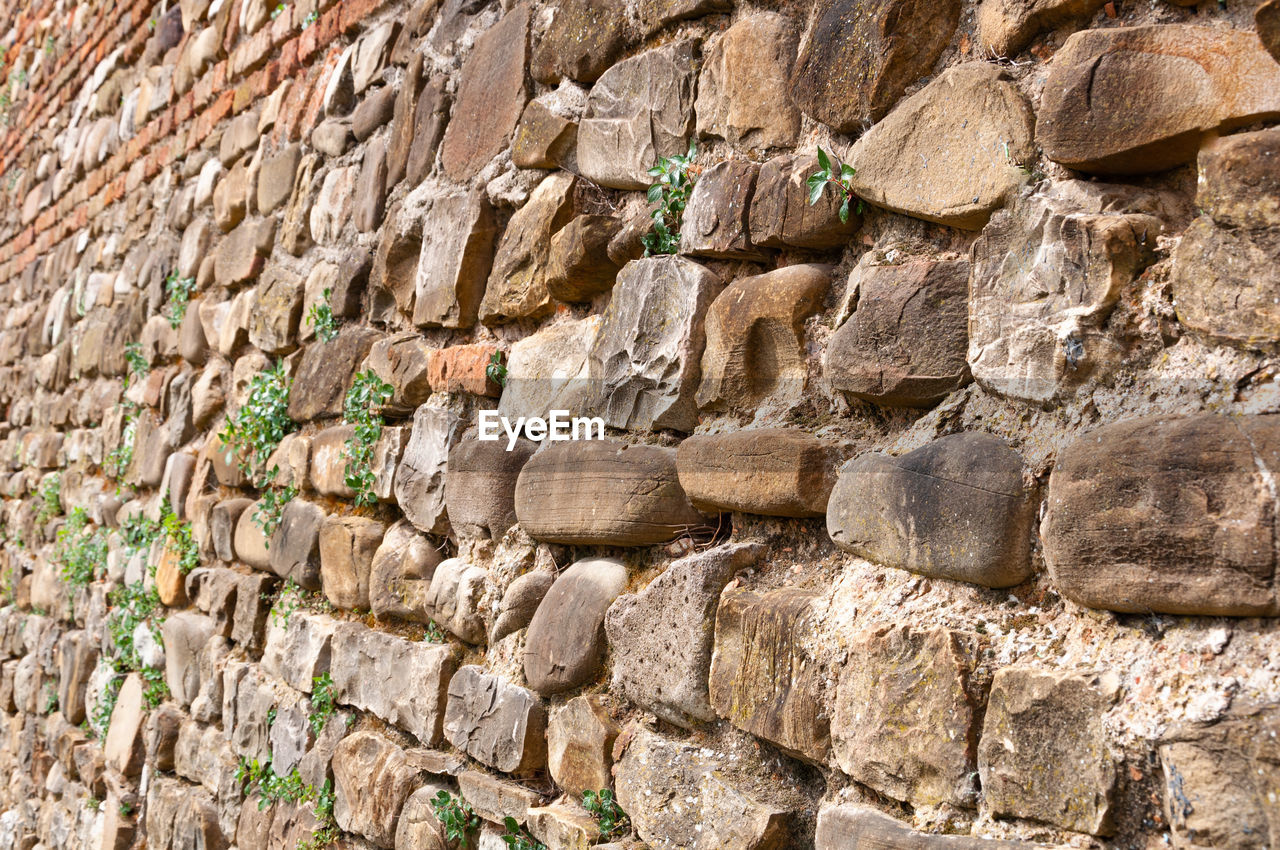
[{"x": 742, "y": 91}]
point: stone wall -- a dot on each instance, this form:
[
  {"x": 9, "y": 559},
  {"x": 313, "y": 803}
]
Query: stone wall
[{"x": 956, "y": 520}]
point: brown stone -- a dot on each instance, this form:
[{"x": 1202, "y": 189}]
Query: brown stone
[
  {"x": 371, "y": 113},
  {"x": 641, "y": 109},
  {"x": 372, "y": 778},
  {"x": 742, "y": 91},
  {"x": 347, "y": 546},
  {"x": 906, "y": 344},
  {"x": 782, "y": 215},
  {"x": 578, "y": 263},
  {"x": 755, "y": 338},
  {"x": 517, "y": 285},
  {"x": 1167, "y": 514},
  {"x": 1136, "y": 100},
  {"x": 655, "y": 14},
  {"x": 393, "y": 277},
  {"x": 239, "y": 256},
  {"x": 1267, "y": 21},
  {"x": 599, "y": 492},
  {"x": 276, "y": 178},
  {"x": 715, "y": 223},
  {"x": 950, "y": 153},
  {"x": 771, "y": 471},
  {"x": 861, "y": 56},
  {"x": 543, "y": 139},
  {"x": 1043, "y": 753},
  {"x": 1005, "y": 27},
  {"x": 580, "y": 745},
  {"x": 849, "y": 826},
  {"x": 463, "y": 369},
  {"x": 401, "y": 573},
  {"x": 907, "y": 715},
  {"x": 326, "y": 371},
  {"x": 564, "y": 647},
  {"x": 763, "y": 679},
  {"x": 295, "y": 544},
  {"x": 455, "y": 259},
  {"x": 273, "y": 326},
  {"x": 371, "y": 188},
  {"x": 419, "y": 480},
  {"x": 491, "y": 95},
  {"x": 479, "y": 485},
  {"x": 583, "y": 39},
  {"x": 430, "y": 115},
  {"x": 958, "y": 508}
]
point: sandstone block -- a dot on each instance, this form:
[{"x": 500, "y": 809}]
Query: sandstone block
[
  {"x": 454, "y": 263},
  {"x": 716, "y": 222},
  {"x": 583, "y": 39},
  {"x": 420, "y": 478},
  {"x": 565, "y": 644},
  {"x": 347, "y": 545},
  {"x": 479, "y": 485},
  {"x": 372, "y": 778},
  {"x": 550, "y": 370},
  {"x": 771, "y": 471},
  {"x": 325, "y": 373},
  {"x": 781, "y": 214},
  {"x": 401, "y": 574},
  {"x": 742, "y": 91},
  {"x": 580, "y": 740},
  {"x": 496, "y": 723},
  {"x": 578, "y": 263},
  {"x": 454, "y": 599}
]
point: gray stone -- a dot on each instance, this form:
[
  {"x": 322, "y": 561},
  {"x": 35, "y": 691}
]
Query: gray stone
[
  {"x": 771, "y": 471},
  {"x": 420, "y": 478},
  {"x": 550, "y": 370},
  {"x": 564, "y": 647},
  {"x": 372, "y": 779},
  {"x": 479, "y": 485},
  {"x": 580, "y": 741},
  {"x": 454, "y": 599},
  {"x": 299, "y": 648},
  {"x": 850, "y": 826},
  {"x": 401, "y": 574},
  {"x": 454, "y": 263},
  {"x": 496, "y": 723},
  {"x": 782, "y": 215},
  {"x": 517, "y": 286},
  {"x": 519, "y": 603}
]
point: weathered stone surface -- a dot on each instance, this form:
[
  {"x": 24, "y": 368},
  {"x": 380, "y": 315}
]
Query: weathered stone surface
[
  {"x": 275, "y": 180},
  {"x": 1140, "y": 99},
  {"x": 1007, "y": 26},
  {"x": 223, "y": 520},
  {"x": 580, "y": 740},
  {"x": 420, "y": 478},
  {"x": 453, "y": 265},
  {"x": 479, "y": 485},
  {"x": 565, "y": 644},
  {"x": 325, "y": 372},
  {"x": 1218, "y": 778},
  {"x": 496, "y": 799},
  {"x": 239, "y": 255},
  {"x": 951, "y": 152},
  {"x": 578, "y": 264},
  {"x": 659, "y": 637},
  {"x": 454, "y": 599},
  {"x": 1174, "y": 515},
  {"x": 185, "y": 635},
  {"x": 646, "y": 356},
  {"x": 1267, "y": 21},
  {"x": 959, "y": 508},
  {"x": 519, "y": 603},
  {"x": 715, "y": 812},
  {"x": 599, "y": 492},
  {"x": 639, "y": 110},
  {"x": 861, "y": 57},
  {"x": 1043, "y": 753},
  {"x": 550, "y": 370},
  {"x": 463, "y": 369},
  {"x": 1226, "y": 268},
  {"x": 655, "y": 14},
  {"x": 742, "y": 91},
  {"x": 496, "y": 723},
  {"x": 544, "y": 138},
  {"x": 401, "y": 360},
  {"x": 370, "y": 195},
  {"x": 763, "y": 679},
  {"x": 771, "y": 471},
  {"x": 347, "y": 545},
  {"x": 251, "y": 544},
  {"x": 402, "y": 682},
  {"x": 417, "y": 827},
  {"x": 517, "y": 286},
  {"x": 563, "y": 825},
  {"x": 716, "y": 221},
  {"x": 780, "y": 212},
  {"x": 295, "y": 544},
  {"x": 430, "y": 116},
  {"x": 906, "y": 344},
  {"x": 907, "y": 715},
  {"x": 333, "y": 206},
  {"x": 123, "y": 747},
  {"x": 491, "y": 95},
  {"x": 401, "y": 574},
  {"x": 299, "y": 650},
  {"x": 77, "y": 655},
  {"x": 372, "y": 778},
  {"x": 853, "y": 827},
  {"x": 273, "y": 326},
  {"x": 583, "y": 39},
  {"x": 755, "y": 338},
  {"x": 1046, "y": 274},
  {"x": 372, "y": 112}
]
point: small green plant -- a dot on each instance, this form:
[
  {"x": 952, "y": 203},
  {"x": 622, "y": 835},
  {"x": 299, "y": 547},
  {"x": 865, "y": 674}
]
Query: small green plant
[
  {"x": 456, "y": 816},
  {"x": 179, "y": 290},
  {"x": 676, "y": 176},
  {"x": 495, "y": 370},
  {"x": 361, "y": 408},
  {"x": 138, "y": 365},
  {"x": 156, "y": 687},
  {"x": 835, "y": 173},
  {"x": 310, "y": 19},
  {"x": 267, "y": 514},
  {"x": 93, "y": 804},
  {"x": 83, "y": 553},
  {"x": 326, "y": 832},
  {"x": 433, "y": 633},
  {"x": 605, "y": 809},
  {"x": 100, "y": 720},
  {"x": 50, "y": 697},
  {"x": 518, "y": 838},
  {"x": 321, "y": 702},
  {"x": 288, "y": 601},
  {"x": 119, "y": 459},
  {"x": 180, "y": 538},
  {"x": 49, "y": 45},
  {"x": 257, "y": 428},
  {"x": 277, "y": 11},
  {"x": 256, "y": 777},
  {"x": 139, "y": 532},
  {"x": 126, "y": 809},
  {"x": 321, "y": 318},
  {"x": 50, "y": 494}
]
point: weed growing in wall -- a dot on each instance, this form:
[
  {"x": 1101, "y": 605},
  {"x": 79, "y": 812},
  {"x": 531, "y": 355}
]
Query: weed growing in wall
[
  {"x": 82, "y": 552},
  {"x": 137, "y": 364},
  {"x": 321, "y": 702},
  {"x": 50, "y": 495},
  {"x": 321, "y": 318},
  {"x": 179, "y": 537},
  {"x": 518, "y": 838},
  {"x": 367, "y": 395},
  {"x": 179, "y": 290},
  {"x": 832, "y": 172},
  {"x": 676, "y": 176},
  {"x": 456, "y": 816},
  {"x": 267, "y": 514},
  {"x": 605, "y": 809},
  {"x": 257, "y": 428},
  {"x": 495, "y": 370}
]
